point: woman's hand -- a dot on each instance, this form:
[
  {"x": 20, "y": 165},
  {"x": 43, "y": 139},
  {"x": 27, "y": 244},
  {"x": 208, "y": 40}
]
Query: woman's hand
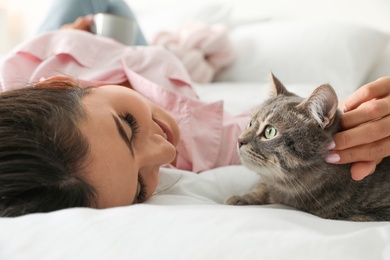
[
  {"x": 365, "y": 139},
  {"x": 81, "y": 23}
]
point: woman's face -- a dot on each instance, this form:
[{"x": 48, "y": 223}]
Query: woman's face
[{"x": 130, "y": 138}]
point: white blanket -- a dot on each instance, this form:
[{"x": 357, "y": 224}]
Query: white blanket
[{"x": 186, "y": 218}]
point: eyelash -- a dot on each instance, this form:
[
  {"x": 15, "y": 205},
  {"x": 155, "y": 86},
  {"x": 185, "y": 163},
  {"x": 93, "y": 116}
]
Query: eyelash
[
  {"x": 142, "y": 193},
  {"x": 132, "y": 122}
]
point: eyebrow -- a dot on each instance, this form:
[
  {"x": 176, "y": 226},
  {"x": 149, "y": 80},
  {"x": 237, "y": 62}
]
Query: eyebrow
[{"x": 122, "y": 133}]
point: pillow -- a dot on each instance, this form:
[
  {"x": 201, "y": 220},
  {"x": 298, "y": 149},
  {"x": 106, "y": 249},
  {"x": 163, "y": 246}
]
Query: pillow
[
  {"x": 297, "y": 51},
  {"x": 153, "y": 21},
  {"x": 382, "y": 67}
]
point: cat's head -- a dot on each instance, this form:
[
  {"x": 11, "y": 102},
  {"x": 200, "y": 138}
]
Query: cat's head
[{"x": 288, "y": 132}]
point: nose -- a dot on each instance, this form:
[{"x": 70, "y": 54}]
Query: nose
[
  {"x": 241, "y": 142},
  {"x": 156, "y": 150}
]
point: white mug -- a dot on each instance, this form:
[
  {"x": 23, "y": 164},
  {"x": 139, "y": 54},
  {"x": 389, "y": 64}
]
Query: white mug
[{"x": 117, "y": 27}]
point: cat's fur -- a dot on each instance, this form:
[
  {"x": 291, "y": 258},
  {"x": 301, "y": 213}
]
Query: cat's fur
[{"x": 292, "y": 164}]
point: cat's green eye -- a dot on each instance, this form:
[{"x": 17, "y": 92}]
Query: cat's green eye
[{"x": 270, "y": 132}]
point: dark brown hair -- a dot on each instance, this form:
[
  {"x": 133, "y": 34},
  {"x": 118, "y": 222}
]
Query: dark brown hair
[{"x": 42, "y": 151}]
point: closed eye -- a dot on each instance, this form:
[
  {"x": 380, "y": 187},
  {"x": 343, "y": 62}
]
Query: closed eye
[
  {"x": 141, "y": 191},
  {"x": 122, "y": 132},
  {"x": 133, "y": 124}
]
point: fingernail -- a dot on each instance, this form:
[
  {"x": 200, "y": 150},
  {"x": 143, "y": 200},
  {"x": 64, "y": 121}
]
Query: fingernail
[
  {"x": 345, "y": 109},
  {"x": 332, "y": 158},
  {"x": 331, "y": 145}
]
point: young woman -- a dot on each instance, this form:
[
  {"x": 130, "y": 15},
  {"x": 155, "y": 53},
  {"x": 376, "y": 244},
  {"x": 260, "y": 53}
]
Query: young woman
[
  {"x": 93, "y": 128},
  {"x": 99, "y": 119}
]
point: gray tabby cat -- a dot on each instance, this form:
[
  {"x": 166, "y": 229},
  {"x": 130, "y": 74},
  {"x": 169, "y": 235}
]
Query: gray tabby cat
[{"x": 285, "y": 143}]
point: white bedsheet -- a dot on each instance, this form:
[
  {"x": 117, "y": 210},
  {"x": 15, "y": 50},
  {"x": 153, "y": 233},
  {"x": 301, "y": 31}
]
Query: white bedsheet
[{"x": 186, "y": 219}]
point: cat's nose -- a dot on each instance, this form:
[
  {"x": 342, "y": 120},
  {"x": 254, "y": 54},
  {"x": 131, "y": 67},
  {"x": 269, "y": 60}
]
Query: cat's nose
[{"x": 239, "y": 143}]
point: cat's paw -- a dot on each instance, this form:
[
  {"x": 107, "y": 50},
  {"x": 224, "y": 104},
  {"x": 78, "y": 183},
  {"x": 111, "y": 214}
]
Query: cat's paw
[{"x": 238, "y": 200}]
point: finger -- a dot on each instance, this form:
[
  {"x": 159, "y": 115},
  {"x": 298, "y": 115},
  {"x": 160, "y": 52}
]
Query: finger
[
  {"x": 81, "y": 23},
  {"x": 363, "y": 134},
  {"x": 360, "y": 170},
  {"x": 369, "y": 152},
  {"x": 84, "y": 23},
  {"x": 375, "y": 89},
  {"x": 369, "y": 111},
  {"x": 66, "y": 26}
]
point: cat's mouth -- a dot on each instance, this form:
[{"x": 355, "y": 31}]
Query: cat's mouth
[
  {"x": 251, "y": 159},
  {"x": 246, "y": 158}
]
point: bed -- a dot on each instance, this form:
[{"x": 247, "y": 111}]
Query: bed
[{"x": 186, "y": 217}]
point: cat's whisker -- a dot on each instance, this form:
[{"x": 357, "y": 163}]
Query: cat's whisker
[
  {"x": 296, "y": 190},
  {"x": 317, "y": 170},
  {"x": 307, "y": 191},
  {"x": 303, "y": 188},
  {"x": 285, "y": 143},
  {"x": 283, "y": 178}
]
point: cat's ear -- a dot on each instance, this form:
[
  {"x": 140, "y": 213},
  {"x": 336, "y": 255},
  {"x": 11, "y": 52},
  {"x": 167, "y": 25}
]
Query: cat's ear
[
  {"x": 322, "y": 104},
  {"x": 278, "y": 87}
]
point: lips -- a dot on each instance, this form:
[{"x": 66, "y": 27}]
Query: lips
[{"x": 166, "y": 129}]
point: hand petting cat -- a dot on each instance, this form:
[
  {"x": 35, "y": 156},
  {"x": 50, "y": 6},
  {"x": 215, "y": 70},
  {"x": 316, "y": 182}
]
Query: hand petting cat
[{"x": 365, "y": 139}]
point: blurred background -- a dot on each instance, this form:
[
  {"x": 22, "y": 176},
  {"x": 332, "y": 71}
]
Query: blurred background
[{"x": 20, "y": 19}]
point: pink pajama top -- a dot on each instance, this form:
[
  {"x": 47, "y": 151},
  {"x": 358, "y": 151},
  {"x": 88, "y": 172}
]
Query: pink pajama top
[{"x": 208, "y": 133}]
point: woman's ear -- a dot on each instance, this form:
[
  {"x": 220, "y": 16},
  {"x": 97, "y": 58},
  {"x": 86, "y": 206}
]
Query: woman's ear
[{"x": 57, "y": 82}]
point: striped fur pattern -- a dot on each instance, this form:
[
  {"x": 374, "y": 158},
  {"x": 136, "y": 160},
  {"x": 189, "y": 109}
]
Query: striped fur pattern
[{"x": 285, "y": 143}]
